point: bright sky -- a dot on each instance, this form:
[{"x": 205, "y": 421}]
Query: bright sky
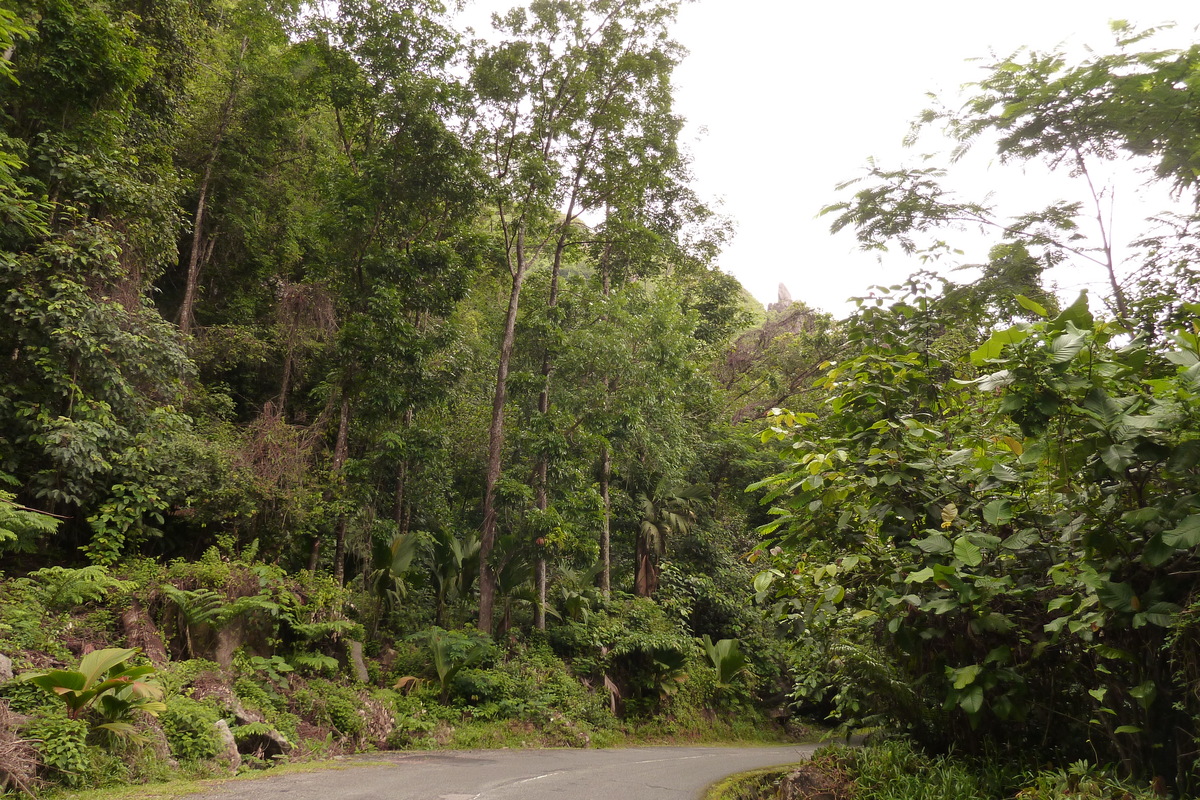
[{"x": 786, "y": 98}]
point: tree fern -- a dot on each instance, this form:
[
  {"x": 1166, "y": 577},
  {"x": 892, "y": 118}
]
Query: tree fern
[
  {"x": 196, "y": 608},
  {"x": 63, "y": 588},
  {"x": 19, "y": 525}
]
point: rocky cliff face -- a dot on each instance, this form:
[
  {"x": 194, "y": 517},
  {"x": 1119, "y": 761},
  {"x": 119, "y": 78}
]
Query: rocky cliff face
[{"x": 784, "y": 302}]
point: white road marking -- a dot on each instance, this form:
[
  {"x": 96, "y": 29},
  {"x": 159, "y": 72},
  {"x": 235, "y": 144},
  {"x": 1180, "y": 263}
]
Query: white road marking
[
  {"x": 657, "y": 760},
  {"x": 539, "y": 777}
]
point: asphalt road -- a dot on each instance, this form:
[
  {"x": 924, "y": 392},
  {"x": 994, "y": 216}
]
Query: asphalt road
[{"x": 644, "y": 773}]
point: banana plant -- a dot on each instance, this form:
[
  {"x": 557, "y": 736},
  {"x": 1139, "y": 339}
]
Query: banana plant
[
  {"x": 391, "y": 561},
  {"x": 105, "y": 684},
  {"x": 727, "y": 659},
  {"x": 668, "y": 671},
  {"x": 452, "y": 564},
  {"x": 577, "y": 592},
  {"x": 666, "y": 512},
  {"x": 453, "y": 652},
  {"x": 513, "y": 567}
]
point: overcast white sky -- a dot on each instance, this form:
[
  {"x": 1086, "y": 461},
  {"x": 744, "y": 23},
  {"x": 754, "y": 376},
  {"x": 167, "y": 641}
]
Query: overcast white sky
[{"x": 786, "y": 98}]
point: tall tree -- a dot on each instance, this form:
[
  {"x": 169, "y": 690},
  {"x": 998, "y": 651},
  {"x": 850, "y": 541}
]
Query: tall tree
[
  {"x": 562, "y": 100},
  {"x": 85, "y": 136}
]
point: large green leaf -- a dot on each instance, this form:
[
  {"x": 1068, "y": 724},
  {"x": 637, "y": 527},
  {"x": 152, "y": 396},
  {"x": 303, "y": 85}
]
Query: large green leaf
[
  {"x": 1186, "y": 535},
  {"x": 1030, "y": 305},
  {"x": 1077, "y": 314},
  {"x": 1117, "y": 457},
  {"x": 920, "y": 576},
  {"x": 994, "y": 346},
  {"x": 1118, "y": 596},
  {"x": 98, "y": 663},
  {"x": 967, "y": 552},
  {"x": 934, "y": 543},
  {"x": 1185, "y": 456},
  {"x": 964, "y": 676},
  {"x": 60, "y": 681},
  {"x": 726, "y": 657},
  {"x": 1065, "y": 347},
  {"x": 1021, "y": 540},
  {"x": 1104, "y": 407},
  {"x": 1157, "y": 552},
  {"x": 971, "y": 700},
  {"x": 998, "y": 512}
]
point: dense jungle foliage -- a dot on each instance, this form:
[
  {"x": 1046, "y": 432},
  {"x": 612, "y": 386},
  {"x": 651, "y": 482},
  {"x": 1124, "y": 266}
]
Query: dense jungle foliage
[{"x": 367, "y": 386}]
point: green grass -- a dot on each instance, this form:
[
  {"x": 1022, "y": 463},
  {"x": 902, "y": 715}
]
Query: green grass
[
  {"x": 752, "y": 785},
  {"x": 895, "y": 770},
  {"x": 186, "y": 786}
]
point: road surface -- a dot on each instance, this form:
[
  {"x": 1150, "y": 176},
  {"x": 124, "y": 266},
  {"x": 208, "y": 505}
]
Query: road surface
[{"x": 644, "y": 773}]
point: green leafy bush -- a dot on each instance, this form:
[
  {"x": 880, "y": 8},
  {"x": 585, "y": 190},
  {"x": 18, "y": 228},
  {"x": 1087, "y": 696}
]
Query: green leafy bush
[
  {"x": 1016, "y": 578},
  {"x": 258, "y": 695},
  {"x": 62, "y": 748},
  {"x": 176, "y": 676},
  {"x": 453, "y": 651},
  {"x": 272, "y": 705},
  {"x": 413, "y": 720},
  {"x": 1082, "y": 781},
  {"x": 481, "y": 686},
  {"x": 895, "y": 770},
  {"x": 190, "y": 729},
  {"x": 328, "y": 703},
  {"x": 26, "y": 698}
]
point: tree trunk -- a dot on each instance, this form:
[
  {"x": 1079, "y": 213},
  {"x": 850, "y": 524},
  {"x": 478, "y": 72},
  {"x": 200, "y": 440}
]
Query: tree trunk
[
  {"x": 314, "y": 554},
  {"x": 339, "y": 551},
  {"x": 605, "y": 453},
  {"x": 487, "y": 537},
  {"x": 543, "y": 466},
  {"x": 402, "y": 513},
  {"x": 340, "y": 451},
  {"x": 539, "y": 610},
  {"x": 605, "y": 523},
  {"x": 186, "y": 310},
  {"x": 645, "y": 580}
]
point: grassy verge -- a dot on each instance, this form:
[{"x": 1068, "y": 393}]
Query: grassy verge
[
  {"x": 753, "y": 785},
  {"x": 186, "y": 786},
  {"x": 895, "y": 770}
]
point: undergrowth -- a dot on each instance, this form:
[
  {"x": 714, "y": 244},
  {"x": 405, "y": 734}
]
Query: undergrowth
[{"x": 897, "y": 770}]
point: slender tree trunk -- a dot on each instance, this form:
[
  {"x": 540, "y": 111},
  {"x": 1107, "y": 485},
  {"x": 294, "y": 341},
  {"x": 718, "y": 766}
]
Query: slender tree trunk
[
  {"x": 605, "y": 523},
  {"x": 339, "y": 551},
  {"x": 542, "y": 496},
  {"x": 605, "y": 453},
  {"x": 487, "y": 538},
  {"x": 286, "y": 383},
  {"x": 644, "y": 578},
  {"x": 186, "y": 310},
  {"x": 314, "y": 554},
  {"x": 340, "y": 451},
  {"x": 1105, "y": 239},
  {"x": 542, "y": 474},
  {"x": 543, "y": 466},
  {"x": 402, "y": 513}
]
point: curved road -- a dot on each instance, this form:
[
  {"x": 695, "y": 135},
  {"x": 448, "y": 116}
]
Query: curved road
[{"x": 644, "y": 773}]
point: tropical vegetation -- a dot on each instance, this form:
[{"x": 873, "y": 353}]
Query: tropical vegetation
[{"x": 372, "y": 387}]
